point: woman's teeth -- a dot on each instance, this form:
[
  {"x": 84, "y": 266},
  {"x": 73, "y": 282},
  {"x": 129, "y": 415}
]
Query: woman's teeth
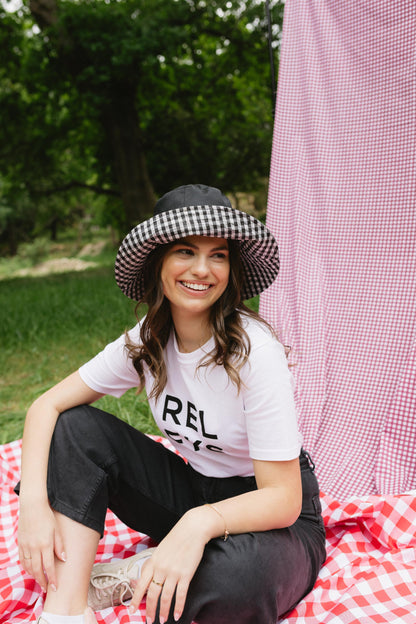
[{"x": 196, "y": 286}]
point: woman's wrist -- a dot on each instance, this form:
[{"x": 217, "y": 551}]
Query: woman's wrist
[
  {"x": 33, "y": 496},
  {"x": 219, "y": 513},
  {"x": 205, "y": 521}
]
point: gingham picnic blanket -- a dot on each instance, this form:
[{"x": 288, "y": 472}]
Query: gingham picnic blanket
[
  {"x": 369, "y": 576},
  {"x": 342, "y": 204}
]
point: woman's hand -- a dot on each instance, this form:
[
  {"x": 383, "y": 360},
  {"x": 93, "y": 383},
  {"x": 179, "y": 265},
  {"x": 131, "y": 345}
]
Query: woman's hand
[
  {"x": 39, "y": 541},
  {"x": 173, "y": 565}
]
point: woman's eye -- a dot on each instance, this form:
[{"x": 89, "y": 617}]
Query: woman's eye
[{"x": 185, "y": 251}]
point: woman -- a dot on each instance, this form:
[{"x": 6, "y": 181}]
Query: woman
[{"x": 239, "y": 531}]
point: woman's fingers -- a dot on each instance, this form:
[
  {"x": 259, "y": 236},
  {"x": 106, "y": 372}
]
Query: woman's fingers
[
  {"x": 59, "y": 546},
  {"x": 25, "y": 559},
  {"x": 38, "y": 538},
  {"x": 164, "y": 596},
  {"x": 181, "y": 593},
  {"x": 141, "y": 585},
  {"x": 39, "y": 562},
  {"x": 31, "y": 562},
  {"x": 167, "y": 574},
  {"x": 37, "y": 569},
  {"x": 157, "y": 590},
  {"x": 48, "y": 565},
  {"x": 173, "y": 595},
  {"x": 158, "y": 587},
  {"x": 165, "y": 593}
]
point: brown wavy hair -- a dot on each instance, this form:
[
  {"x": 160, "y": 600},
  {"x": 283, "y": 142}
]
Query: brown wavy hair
[{"x": 232, "y": 344}]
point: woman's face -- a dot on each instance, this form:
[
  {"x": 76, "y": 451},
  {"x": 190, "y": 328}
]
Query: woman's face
[{"x": 194, "y": 274}]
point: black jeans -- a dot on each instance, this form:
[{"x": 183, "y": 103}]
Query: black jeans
[{"x": 97, "y": 461}]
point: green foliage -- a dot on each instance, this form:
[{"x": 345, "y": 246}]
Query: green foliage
[
  {"x": 194, "y": 76},
  {"x": 38, "y": 148},
  {"x": 212, "y": 120}
]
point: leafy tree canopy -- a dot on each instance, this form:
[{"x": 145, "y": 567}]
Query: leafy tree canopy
[{"x": 128, "y": 98}]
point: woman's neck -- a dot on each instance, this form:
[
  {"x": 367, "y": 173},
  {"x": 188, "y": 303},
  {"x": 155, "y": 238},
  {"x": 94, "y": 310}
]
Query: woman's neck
[{"x": 192, "y": 334}]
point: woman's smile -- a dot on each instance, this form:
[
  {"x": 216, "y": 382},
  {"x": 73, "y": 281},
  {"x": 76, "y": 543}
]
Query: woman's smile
[
  {"x": 195, "y": 274},
  {"x": 193, "y": 286}
]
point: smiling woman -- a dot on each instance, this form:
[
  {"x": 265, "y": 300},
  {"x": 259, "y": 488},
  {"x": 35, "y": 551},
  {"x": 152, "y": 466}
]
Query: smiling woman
[
  {"x": 194, "y": 275},
  {"x": 235, "y": 522}
]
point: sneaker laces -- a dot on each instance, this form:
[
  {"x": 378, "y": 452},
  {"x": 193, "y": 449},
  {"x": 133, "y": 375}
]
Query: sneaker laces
[{"x": 117, "y": 586}]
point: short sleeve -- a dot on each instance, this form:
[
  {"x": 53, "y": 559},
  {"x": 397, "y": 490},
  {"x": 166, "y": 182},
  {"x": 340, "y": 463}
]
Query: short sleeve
[
  {"x": 269, "y": 405},
  {"x": 111, "y": 371}
]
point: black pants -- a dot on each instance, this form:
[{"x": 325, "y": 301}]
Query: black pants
[{"x": 97, "y": 461}]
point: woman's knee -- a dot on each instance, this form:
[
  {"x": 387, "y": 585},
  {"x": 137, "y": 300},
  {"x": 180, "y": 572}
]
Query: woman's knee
[
  {"x": 78, "y": 439},
  {"x": 76, "y": 419},
  {"x": 76, "y": 425}
]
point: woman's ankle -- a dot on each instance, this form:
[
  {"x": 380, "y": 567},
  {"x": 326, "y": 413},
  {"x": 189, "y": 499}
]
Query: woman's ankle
[
  {"x": 87, "y": 617},
  {"x": 55, "y": 618}
]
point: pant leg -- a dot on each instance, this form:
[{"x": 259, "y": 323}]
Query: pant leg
[
  {"x": 257, "y": 577},
  {"x": 97, "y": 462}
]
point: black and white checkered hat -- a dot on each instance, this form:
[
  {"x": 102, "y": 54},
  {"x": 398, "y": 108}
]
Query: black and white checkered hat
[{"x": 197, "y": 210}]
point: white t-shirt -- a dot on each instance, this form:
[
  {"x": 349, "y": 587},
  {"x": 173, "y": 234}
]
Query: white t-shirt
[{"x": 218, "y": 430}]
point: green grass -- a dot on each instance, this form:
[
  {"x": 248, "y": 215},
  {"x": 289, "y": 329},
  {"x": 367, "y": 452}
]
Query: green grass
[{"x": 51, "y": 325}]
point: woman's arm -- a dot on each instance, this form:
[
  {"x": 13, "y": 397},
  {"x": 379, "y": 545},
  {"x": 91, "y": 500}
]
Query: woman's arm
[
  {"x": 275, "y": 504},
  {"x": 38, "y": 538}
]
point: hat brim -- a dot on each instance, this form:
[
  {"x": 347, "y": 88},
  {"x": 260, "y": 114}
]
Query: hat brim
[{"x": 258, "y": 248}]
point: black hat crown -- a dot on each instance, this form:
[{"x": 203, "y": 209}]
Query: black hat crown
[{"x": 191, "y": 195}]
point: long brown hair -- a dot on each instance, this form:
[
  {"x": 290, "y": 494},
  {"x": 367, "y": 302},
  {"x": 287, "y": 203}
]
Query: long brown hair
[{"x": 232, "y": 344}]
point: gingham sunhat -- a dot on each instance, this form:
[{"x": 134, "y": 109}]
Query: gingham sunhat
[{"x": 198, "y": 210}]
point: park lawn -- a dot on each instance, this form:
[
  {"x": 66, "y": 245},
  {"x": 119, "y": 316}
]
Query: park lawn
[{"x": 51, "y": 325}]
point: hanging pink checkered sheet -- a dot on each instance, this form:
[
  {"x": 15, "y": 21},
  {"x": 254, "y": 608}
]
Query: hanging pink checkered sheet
[
  {"x": 369, "y": 576},
  {"x": 342, "y": 204}
]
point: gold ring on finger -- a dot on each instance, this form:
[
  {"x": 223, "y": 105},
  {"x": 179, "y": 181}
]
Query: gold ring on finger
[{"x": 157, "y": 583}]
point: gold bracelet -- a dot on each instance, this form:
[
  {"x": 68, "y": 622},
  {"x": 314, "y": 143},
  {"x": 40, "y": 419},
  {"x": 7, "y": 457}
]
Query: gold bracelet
[{"x": 226, "y": 531}]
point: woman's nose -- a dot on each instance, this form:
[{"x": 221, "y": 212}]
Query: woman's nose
[{"x": 200, "y": 266}]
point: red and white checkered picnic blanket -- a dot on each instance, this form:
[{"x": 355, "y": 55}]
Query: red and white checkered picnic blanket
[
  {"x": 342, "y": 204},
  {"x": 369, "y": 576}
]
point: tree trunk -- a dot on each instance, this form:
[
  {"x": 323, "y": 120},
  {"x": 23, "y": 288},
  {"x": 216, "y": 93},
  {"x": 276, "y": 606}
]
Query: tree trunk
[
  {"x": 53, "y": 228},
  {"x": 45, "y": 12},
  {"x": 12, "y": 239},
  {"x": 121, "y": 123}
]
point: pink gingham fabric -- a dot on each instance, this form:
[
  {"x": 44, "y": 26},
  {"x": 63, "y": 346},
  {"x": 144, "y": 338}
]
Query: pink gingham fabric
[
  {"x": 342, "y": 205},
  {"x": 369, "y": 576}
]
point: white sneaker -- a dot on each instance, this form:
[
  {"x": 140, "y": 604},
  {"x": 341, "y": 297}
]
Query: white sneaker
[{"x": 110, "y": 583}]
